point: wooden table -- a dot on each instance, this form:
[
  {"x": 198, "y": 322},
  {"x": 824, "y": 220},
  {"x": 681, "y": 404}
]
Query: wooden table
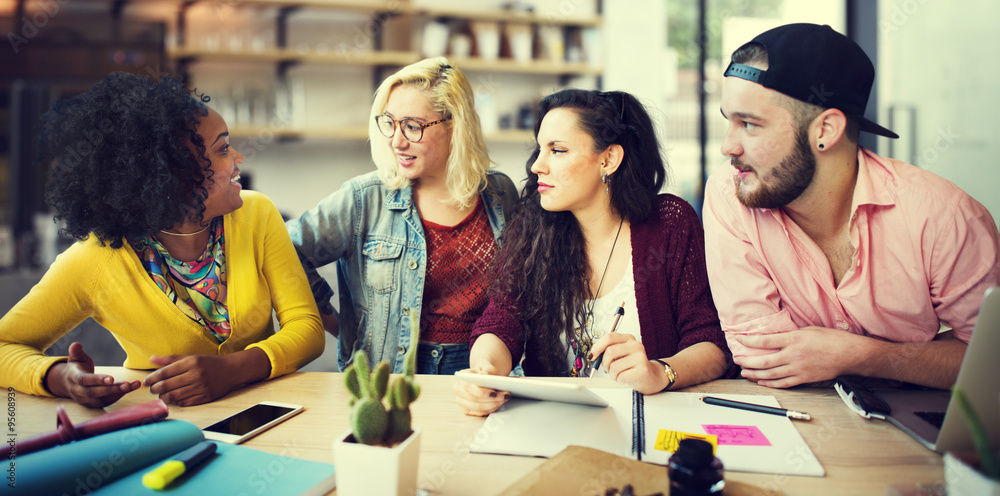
[{"x": 860, "y": 456}]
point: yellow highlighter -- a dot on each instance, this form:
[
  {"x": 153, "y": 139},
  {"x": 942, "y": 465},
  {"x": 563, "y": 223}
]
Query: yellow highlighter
[{"x": 163, "y": 475}]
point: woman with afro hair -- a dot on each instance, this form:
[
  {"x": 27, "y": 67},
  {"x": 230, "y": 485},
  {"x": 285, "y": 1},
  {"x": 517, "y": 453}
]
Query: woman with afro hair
[{"x": 174, "y": 259}]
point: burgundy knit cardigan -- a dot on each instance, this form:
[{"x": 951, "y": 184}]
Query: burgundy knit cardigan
[{"x": 671, "y": 288}]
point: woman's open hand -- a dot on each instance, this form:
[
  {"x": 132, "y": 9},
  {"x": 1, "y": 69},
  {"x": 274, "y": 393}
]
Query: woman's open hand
[{"x": 76, "y": 380}]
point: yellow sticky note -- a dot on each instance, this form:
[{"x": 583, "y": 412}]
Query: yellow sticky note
[{"x": 669, "y": 440}]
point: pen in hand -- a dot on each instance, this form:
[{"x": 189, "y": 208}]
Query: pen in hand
[{"x": 614, "y": 326}]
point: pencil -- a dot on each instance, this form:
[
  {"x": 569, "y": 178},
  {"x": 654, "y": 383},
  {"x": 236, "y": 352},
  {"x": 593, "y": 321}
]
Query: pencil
[
  {"x": 614, "y": 326},
  {"x": 792, "y": 414}
]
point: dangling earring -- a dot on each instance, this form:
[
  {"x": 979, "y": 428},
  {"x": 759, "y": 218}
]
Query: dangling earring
[{"x": 604, "y": 179}]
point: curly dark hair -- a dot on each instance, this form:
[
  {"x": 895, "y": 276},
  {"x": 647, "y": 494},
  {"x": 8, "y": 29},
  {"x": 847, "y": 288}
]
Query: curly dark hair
[
  {"x": 122, "y": 164},
  {"x": 542, "y": 268}
]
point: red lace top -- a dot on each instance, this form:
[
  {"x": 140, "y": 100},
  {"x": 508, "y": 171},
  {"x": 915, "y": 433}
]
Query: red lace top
[{"x": 455, "y": 290}]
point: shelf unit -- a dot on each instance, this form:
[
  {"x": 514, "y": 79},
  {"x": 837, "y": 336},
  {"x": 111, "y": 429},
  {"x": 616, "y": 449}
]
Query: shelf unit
[
  {"x": 383, "y": 58},
  {"x": 406, "y": 8},
  {"x": 284, "y": 57},
  {"x": 291, "y": 56},
  {"x": 378, "y": 57}
]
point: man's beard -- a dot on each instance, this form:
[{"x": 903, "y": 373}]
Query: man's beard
[{"x": 787, "y": 181}]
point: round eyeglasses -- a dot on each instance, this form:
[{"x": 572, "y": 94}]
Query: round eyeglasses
[{"x": 413, "y": 131}]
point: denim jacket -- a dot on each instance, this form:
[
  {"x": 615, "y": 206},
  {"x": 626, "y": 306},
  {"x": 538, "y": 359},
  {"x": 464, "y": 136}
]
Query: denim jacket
[{"x": 375, "y": 236}]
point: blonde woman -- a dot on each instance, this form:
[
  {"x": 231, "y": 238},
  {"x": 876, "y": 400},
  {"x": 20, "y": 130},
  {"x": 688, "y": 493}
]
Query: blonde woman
[{"x": 416, "y": 235}]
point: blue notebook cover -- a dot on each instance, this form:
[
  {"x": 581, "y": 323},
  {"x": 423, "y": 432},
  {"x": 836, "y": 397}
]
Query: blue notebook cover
[
  {"x": 114, "y": 463},
  {"x": 235, "y": 469}
]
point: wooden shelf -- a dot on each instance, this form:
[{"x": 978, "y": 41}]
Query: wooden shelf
[
  {"x": 404, "y": 7},
  {"x": 512, "y": 16},
  {"x": 376, "y": 58},
  {"x": 360, "y": 58},
  {"x": 399, "y": 6},
  {"x": 283, "y": 57},
  {"x": 360, "y": 133},
  {"x": 288, "y": 55},
  {"x": 266, "y": 56},
  {"x": 531, "y": 67}
]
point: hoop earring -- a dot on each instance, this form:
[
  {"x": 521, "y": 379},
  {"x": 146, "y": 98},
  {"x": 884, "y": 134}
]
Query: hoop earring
[{"x": 604, "y": 178}]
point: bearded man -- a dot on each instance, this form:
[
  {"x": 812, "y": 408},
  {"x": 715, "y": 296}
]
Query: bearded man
[{"x": 824, "y": 258}]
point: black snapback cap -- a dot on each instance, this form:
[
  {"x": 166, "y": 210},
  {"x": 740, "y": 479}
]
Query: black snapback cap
[{"x": 816, "y": 65}]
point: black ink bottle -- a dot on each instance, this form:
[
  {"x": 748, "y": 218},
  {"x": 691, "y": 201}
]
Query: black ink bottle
[{"x": 694, "y": 471}]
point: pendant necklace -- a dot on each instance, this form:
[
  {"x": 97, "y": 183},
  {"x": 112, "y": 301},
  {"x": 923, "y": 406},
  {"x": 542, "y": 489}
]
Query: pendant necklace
[{"x": 583, "y": 339}]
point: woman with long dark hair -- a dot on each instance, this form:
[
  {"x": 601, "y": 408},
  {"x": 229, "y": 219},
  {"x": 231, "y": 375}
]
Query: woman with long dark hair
[{"x": 594, "y": 235}]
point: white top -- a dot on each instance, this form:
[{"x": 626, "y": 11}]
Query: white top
[{"x": 604, "y": 313}]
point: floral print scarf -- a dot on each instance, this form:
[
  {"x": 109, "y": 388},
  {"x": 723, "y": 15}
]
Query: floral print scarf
[{"x": 198, "y": 288}]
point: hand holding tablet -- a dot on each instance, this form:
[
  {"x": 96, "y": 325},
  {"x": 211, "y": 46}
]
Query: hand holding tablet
[
  {"x": 476, "y": 400},
  {"x": 521, "y": 387}
]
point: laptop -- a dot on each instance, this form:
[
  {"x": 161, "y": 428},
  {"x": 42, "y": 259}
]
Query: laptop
[{"x": 930, "y": 416}]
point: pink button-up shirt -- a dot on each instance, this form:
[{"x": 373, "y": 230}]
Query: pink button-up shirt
[{"x": 924, "y": 254}]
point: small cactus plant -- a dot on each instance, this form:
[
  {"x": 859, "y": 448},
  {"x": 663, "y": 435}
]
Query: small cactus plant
[{"x": 372, "y": 422}]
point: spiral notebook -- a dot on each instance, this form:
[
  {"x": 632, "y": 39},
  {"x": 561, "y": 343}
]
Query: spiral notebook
[{"x": 644, "y": 428}]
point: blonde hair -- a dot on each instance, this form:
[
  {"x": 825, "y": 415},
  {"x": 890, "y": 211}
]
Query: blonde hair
[{"x": 450, "y": 95}]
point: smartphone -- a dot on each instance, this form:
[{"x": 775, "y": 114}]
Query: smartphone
[{"x": 250, "y": 422}]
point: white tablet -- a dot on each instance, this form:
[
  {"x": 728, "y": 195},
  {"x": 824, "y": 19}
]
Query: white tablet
[{"x": 520, "y": 387}]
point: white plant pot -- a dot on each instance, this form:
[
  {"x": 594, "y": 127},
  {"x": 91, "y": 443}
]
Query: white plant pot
[
  {"x": 963, "y": 479},
  {"x": 376, "y": 470}
]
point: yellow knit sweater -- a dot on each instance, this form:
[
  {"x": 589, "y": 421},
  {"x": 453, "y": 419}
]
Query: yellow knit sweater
[{"x": 110, "y": 285}]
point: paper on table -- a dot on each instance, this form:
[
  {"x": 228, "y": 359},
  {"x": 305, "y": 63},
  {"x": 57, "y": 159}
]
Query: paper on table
[
  {"x": 542, "y": 428},
  {"x": 788, "y": 453}
]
